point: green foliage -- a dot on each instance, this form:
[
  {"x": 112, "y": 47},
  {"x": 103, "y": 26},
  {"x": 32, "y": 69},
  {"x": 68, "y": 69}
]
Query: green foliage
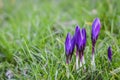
[{"x": 32, "y": 35}]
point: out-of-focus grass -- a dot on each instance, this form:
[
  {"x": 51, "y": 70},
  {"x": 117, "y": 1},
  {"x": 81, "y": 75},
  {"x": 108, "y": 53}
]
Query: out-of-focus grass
[{"x": 32, "y": 35}]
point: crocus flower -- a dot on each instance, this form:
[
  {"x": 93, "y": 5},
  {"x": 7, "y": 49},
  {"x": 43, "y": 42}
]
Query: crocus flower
[
  {"x": 80, "y": 45},
  {"x": 69, "y": 47},
  {"x": 77, "y": 52},
  {"x": 94, "y": 36},
  {"x": 84, "y": 44},
  {"x": 109, "y": 54}
]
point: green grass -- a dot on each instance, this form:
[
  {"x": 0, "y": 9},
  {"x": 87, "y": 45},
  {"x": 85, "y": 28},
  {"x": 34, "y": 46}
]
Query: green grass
[{"x": 32, "y": 35}]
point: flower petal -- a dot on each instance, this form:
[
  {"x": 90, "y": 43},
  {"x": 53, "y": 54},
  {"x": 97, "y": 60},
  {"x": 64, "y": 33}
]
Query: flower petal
[
  {"x": 109, "y": 53},
  {"x": 68, "y": 44},
  {"x": 95, "y": 29}
]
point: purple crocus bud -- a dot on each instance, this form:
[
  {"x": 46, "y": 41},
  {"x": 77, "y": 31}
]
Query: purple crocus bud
[
  {"x": 69, "y": 47},
  {"x": 80, "y": 45},
  {"x": 77, "y": 50},
  {"x": 80, "y": 39},
  {"x": 84, "y": 44},
  {"x": 94, "y": 36},
  {"x": 95, "y": 30},
  {"x": 109, "y": 54}
]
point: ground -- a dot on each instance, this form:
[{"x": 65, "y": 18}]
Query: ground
[{"x": 33, "y": 32}]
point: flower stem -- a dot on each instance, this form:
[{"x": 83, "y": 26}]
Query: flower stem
[
  {"x": 83, "y": 61},
  {"x": 93, "y": 57},
  {"x": 77, "y": 58},
  {"x": 67, "y": 71},
  {"x": 67, "y": 59},
  {"x": 80, "y": 56}
]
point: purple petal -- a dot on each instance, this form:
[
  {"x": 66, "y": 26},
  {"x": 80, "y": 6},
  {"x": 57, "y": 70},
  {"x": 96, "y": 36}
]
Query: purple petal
[
  {"x": 77, "y": 34},
  {"x": 76, "y": 31},
  {"x": 95, "y": 29},
  {"x": 68, "y": 44},
  {"x": 69, "y": 47},
  {"x": 79, "y": 40},
  {"x": 110, "y": 54},
  {"x": 84, "y": 34},
  {"x": 73, "y": 41}
]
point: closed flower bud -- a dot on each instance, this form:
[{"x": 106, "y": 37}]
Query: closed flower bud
[
  {"x": 94, "y": 36},
  {"x": 109, "y": 54},
  {"x": 69, "y": 47},
  {"x": 95, "y": 30}
]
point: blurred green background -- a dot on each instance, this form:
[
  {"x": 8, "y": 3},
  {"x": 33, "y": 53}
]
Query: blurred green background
[{"x": 32, "y": 35}]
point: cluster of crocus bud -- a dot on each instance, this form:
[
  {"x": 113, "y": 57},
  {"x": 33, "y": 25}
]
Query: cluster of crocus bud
[
  {"x": 79, "y": 41},
  {"x": 80, "y": 45}
]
